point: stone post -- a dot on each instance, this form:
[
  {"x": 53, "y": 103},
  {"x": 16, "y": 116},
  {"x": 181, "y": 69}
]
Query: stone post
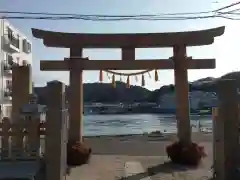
[
  {"x": 216, "y": 138},
  {"x": 55, "y": 131},
  {"x": 21, "y": 89},
  {"x": 227, "y": 146},
  {"x": 181, "y": 86},
  {"x": 75, "y": 97}
]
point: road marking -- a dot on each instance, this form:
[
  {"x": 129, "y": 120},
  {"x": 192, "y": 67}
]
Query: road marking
[{"x": 133, "y": 168}]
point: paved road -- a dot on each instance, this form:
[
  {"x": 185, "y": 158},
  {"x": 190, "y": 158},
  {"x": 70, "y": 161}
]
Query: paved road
[
  {"x": 138, "y": 160},
  {"x": 138, "y": 168}
]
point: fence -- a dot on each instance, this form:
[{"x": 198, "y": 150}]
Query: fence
[{"x": 21, "y": 139}]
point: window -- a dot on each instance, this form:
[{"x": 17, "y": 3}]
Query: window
[
  {"x": 9, "y": 59},
  {"x": 13, "y": 38},
  {"x": 29, "y": 47},
  {"x": 26, "y": 46},
  {"x": 8, "y": 82},
  {"x": 10, "y": 33},
  {"x": 8, "y": 85}
]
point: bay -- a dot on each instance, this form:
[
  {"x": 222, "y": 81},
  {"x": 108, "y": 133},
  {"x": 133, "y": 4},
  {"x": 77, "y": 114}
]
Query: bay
[{"x": 95, "y": 125}]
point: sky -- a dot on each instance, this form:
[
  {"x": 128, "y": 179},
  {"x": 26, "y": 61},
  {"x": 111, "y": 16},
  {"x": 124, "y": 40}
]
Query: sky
[{"x": 225, "y": 48}]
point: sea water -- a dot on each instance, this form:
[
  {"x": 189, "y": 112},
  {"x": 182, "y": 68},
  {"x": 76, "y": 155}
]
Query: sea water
[{"x": 140, "y": 123}]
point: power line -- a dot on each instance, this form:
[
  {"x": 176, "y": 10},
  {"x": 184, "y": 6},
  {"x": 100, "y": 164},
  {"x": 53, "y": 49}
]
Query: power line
[
  {"x": 121, "y": 19},
  {"x": 149, "y": 17},
  {"x": 226, "y": 7},
  {"x": 108, "y": 19},
  {"x": 155, "y": 18},
  {"x": 230, "y": 12},
  {"x": 99, "y": 15}
]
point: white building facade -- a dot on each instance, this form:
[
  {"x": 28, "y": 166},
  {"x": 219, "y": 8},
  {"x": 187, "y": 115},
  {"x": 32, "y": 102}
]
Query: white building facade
[{"x": 15, "y": 48}]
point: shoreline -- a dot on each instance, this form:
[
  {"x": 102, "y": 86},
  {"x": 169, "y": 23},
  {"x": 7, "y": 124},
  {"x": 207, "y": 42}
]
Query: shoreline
[
  {"x": 154, "y": 113},
  {"x": 141, "y": 144},
  {"x": 151, "y": 134}
]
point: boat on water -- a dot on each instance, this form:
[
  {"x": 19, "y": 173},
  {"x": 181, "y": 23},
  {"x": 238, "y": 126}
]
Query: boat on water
[
  {"x": 205, "y": 112},
  {"x": 113, "y": 111}
]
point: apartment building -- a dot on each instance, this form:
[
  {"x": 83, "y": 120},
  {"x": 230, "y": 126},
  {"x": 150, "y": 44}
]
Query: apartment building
[{"x": 15, "y": 49}]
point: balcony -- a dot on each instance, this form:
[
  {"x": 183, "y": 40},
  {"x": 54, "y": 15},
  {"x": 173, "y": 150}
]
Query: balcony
[
  {"x": 11, "y": 42},
  {"x": 27, "y": 47}
]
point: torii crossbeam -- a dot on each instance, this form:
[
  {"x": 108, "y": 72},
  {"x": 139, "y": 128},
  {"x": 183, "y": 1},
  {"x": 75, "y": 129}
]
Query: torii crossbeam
[{"x": 128, "y": 42}]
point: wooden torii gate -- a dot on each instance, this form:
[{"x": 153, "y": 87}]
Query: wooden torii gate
[{"x": 127, "y": 42}]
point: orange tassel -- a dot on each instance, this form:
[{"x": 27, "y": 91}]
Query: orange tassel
[
  {"x": 113, "y": 81},
  {"x": 143, "y": 80},
  {"x": 156, "y": 75},
  {"x": 128, "y": 82},
  {"x": 101, "y": 76}
]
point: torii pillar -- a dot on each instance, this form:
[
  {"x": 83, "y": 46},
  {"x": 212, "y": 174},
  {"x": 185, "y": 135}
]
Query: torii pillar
[
  {"x": 75, "y": 96},
  {"x": 181, "y": 86}
]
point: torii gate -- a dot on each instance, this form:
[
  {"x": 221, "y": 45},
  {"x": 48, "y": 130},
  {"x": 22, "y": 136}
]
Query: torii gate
[{"x": 127, "y": 42}]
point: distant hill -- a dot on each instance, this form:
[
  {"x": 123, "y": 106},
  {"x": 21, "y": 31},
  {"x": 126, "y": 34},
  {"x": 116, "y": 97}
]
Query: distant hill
[
  {"x": 104, "y": 92},
  {"x": 208, "y": 84}
]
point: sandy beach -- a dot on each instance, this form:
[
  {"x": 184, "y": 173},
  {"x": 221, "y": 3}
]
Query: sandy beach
[{"x": 135, "y": 157}]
